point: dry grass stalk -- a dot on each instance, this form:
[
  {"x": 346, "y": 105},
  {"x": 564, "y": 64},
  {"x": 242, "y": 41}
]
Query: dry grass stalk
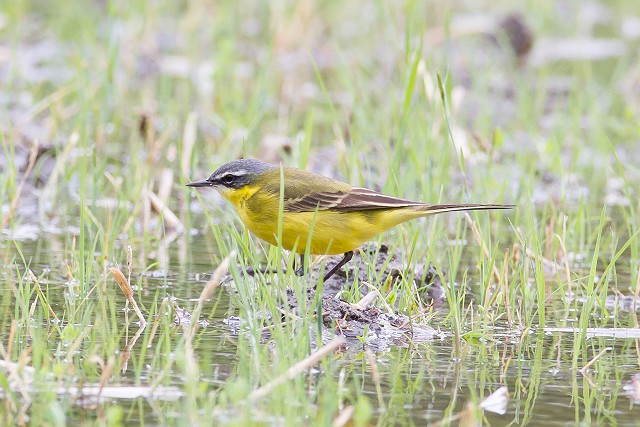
[
  {"x": 583, "y": 371},
  {"x": 365, "y": 301},
  {"x": 373, "y": 366},
  {"x": 107, "y": 369},
  {"x": 209, "y": 288},
  {"x": 288, "y": 314},
  {"x": 376, "y": 291},
  {"x": 273, "y": 325},
  {"x": 551, "y": 265},
  {"x": 165, "y": 184},
  {"x": 129, "y": 262},
  {"x": 122, "y": 282},
  {"x": 461, "y": 26},
  {"x": 343, "y": 417},
  {"x": 295, "y": 370},
  {"x": 43, "y": 300},
  {"x": 548, "y": 241},
  {"x": 12, "y": 335},
  {"x": 636, "y": 294},
  {"x": 169, "y": 217},
  {"x": 156, "y": 322},
  {"x": 216, "y": 278},
  {"x": 505, "y": 286},
  {"x": 126, "y": 353},
  {"x": 567, "y": 271},
  {"x": 127, "y": 290},
  {"x": 45, "y": 103}
]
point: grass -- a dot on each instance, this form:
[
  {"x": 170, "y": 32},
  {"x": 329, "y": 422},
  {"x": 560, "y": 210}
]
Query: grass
[{"x": 131, "y": 100}]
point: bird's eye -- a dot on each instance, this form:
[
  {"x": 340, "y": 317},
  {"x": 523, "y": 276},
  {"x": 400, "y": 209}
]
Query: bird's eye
[{"x": 228, "y": 179}]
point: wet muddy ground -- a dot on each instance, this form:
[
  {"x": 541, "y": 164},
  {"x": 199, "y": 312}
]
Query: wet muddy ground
[{"x": 371, "y": 320}]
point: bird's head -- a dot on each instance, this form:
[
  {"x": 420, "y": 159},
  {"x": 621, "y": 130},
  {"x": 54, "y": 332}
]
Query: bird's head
[{"x": 234, "y": 175}]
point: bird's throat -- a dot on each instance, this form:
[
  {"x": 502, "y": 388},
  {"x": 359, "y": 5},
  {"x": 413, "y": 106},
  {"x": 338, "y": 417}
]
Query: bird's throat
[{"x": 238, "y": 197}]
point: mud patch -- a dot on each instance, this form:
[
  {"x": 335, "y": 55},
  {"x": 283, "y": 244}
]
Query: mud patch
[
  {"x": 372, "y": 326},
  {"x": 371, "y": 321}
]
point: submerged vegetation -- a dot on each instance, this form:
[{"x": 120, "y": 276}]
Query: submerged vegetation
[{"x": 107, "y": 110}]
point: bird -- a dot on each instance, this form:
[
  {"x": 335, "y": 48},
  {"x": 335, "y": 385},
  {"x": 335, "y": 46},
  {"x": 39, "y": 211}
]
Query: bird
[{"x": 329, "y": 216}]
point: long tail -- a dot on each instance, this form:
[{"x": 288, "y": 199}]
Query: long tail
[
  {"x": 436, "y": 209},
  {"x": 394, "y": 217}
]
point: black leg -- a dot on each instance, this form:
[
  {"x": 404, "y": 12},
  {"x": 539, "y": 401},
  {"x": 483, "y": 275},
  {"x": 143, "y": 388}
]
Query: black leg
[
  {"x": 343, "y": 261},
  {"x": 299, "y": 271}
]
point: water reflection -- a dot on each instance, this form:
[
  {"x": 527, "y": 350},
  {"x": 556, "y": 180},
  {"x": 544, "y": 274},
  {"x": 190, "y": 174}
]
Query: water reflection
[{"x": 557, "y": 375}]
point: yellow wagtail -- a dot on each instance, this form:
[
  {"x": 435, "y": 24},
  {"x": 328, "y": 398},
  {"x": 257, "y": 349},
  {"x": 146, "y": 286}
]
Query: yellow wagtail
[{"x": 335, "y": 215}]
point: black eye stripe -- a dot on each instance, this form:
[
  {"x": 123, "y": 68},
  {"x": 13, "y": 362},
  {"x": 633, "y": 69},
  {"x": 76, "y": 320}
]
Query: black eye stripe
[{"x": 232, "y": 179}]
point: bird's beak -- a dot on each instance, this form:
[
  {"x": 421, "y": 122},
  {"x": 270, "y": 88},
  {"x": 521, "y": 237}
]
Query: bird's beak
[{"x": 201, "y": 183}]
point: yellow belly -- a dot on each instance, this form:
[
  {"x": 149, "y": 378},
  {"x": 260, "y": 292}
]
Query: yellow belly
[{"x": 330, "y": 232}]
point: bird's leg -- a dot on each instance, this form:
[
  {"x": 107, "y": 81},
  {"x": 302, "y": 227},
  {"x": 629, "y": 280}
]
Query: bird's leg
[
  {"x": 300, "y": 270},
  {"x": 343, "y": 261}
]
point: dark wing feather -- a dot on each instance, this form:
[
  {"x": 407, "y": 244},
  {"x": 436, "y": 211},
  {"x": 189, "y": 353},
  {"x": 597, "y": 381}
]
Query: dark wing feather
[
  {"x": 308, "y": 192},
  {"x": 364, "y": 199},
  {"x": 313, "y": 201},
  {"x": 356, "y": 199}
]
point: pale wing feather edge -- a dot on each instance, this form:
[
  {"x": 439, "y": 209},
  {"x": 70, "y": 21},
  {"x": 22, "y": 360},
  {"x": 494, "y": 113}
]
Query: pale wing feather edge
[{"x": 356, "y": 199}]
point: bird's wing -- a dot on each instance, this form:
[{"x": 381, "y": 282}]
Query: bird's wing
[
  {"x": 306, "y": 192},
  {"x": 354, "y": 199}
]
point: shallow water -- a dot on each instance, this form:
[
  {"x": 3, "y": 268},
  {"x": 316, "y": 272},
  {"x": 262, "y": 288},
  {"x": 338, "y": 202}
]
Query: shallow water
[{"x": 424, "y": 382}]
